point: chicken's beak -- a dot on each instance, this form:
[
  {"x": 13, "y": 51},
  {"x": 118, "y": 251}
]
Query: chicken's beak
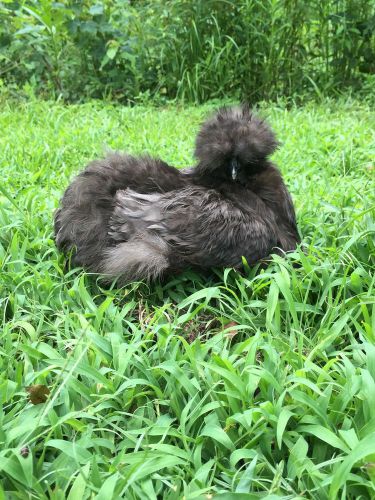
[{"x": 234, "y": 167}]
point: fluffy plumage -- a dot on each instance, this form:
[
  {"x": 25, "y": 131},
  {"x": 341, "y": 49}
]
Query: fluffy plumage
[
  {"x": 139, "y": 218},
  {"x": 82, "y": 221}
]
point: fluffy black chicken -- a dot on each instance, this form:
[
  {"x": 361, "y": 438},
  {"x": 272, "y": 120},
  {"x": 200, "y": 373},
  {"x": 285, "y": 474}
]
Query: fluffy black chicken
[{"x": 139, "y": 218}]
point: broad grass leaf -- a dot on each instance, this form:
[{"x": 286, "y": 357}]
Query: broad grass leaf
[
  {"x": 203, "y": 472},
  {"x": 106, "y": 492},
  {"x": 32, "y": 352},
  {"x": 364, "y": 448},
  {"x": 350, "y": 437},
  {"x": 180, "y": 376},
  {"x": 300, "y": 380},
  {"x": 71, "y": 449},
  {"x": 11, "y": 465},
  {"x": 27, "y": 464},
  {"x": 370, "y": 351},
  {"x": 241, "y": 454},
  {"x": 78, "y": 488},
  {"x": 28, "y": 327},
  {"x": 230, "y": 377},
  {"x": 148, "y": 490},
  {"x": 83, "y": 369},
  {"x": 145, "y": 463},
  {"x": 272, "y": 301},
  {"x": 297, "y": 456},
  {"x": 217, "y": 434},
  {"x": 207, "y": 294},
  {"x": 334, "y": 331},
  {"x": 247, "y": 477},
  {"x": 168, "y": 449},
  {"x": 282, "y": 422},
  {"x": 311, "y": 404},
  {"x": 368, "y": 393},
  {"x": 199, "y": 411},
  {"x": 325, "y": 435},
  {"x": 354, "y": 239},
  {"x": 283, "y": 281}
]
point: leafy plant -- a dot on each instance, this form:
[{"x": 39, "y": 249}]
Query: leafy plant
[{"x": 189, "y": 50}]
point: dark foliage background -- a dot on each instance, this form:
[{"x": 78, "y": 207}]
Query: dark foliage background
[{"x": 187, "y": 49}]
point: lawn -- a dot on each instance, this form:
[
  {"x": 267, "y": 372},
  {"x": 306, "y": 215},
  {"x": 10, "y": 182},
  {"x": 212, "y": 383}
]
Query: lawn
[{"x": 225, "y": 386}]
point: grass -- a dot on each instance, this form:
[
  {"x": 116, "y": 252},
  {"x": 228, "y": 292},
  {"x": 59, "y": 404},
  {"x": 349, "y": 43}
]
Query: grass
[{"x": 223, "y": 386}]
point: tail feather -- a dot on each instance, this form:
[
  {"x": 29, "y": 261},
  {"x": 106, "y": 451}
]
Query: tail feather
[
  {"x": 82, "y": 222},
  {"x": 136, "y": 260}
]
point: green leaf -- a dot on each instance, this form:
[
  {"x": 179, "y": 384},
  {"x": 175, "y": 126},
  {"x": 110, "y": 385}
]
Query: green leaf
[
  {"x": 106, "y": 492},
  {"x": 363, "y": 449},
  {"x": 217, "y": 434},
  {"x": 247, "y": 477},
  {"x": 282, "y": 421},
  {"x": 96, "y": 10},
  {"x": 77, "y": 490},
  {"x": 112, "y": 51},
  {"x": 72, "y": 450},
  {"x": 325, "y": 435},
  {"x": 206, "y": 293}
]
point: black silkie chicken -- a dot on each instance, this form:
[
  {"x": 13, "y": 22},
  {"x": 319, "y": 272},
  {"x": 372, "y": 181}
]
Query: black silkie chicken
[{"x": 139, "y": 218}]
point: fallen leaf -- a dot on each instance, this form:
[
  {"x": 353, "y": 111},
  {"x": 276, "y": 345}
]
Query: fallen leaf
[
  {"x": 38, "y": 393},
  {"x": 370, "y": 467},
  {"x": 233, "y": 332}
]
